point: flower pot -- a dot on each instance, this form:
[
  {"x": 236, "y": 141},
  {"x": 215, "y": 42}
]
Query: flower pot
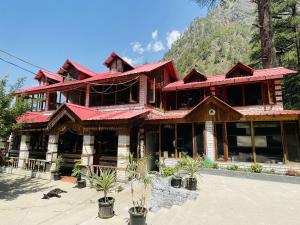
[
  {"x": 81, "y": 183},
  {"x": 78, "y": 178},
  {"x": 106, "y": 207},
  {"x": 55, "y": 176},
  {"x": 176, "y": 182},
  {"x": 137, "y": 216},
  {"x": 191, "y": 184}
]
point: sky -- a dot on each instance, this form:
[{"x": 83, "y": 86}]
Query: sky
[{"x": 47, "y": 33}]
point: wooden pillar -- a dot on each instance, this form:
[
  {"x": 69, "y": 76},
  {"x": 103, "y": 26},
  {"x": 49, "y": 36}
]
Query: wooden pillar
[
  {"x": 253, "y": 141},
  {"x": 87, "y": 95},
  {"x": 225, "y": 141},
  {"x": 176, "y": 150},
  {"x": 159, "y": 140},
  {"x": 47, "y": 102},
  {"x": 284, "y": 144},
  {"x": 194, "y": 141}
]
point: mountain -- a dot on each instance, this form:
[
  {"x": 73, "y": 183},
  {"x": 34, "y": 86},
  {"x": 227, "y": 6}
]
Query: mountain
[{"x": 216, "y": 42}]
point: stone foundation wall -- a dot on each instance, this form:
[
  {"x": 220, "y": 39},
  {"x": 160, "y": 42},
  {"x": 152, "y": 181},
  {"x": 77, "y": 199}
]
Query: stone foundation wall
[
  {"x": 165, "y": 196},
  {"x": 280, "y": 169}
]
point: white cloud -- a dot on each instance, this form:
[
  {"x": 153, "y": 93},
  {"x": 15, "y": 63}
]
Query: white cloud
[
  {"x": 155, "y": 46},
  {"x": 137, "y": 47},
  {"x": 131, "y": 61},
  {"x": 154, "y": 34},
  {"x": 172, "y": 37}
]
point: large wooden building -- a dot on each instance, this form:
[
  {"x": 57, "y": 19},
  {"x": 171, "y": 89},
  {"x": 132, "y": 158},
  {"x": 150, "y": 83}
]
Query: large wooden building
[{"x": 98, "y": 118}]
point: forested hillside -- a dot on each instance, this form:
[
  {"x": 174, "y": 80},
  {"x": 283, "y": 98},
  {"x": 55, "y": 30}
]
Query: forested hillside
[
  {"x": 214, "y": 43},
  {"x": 235, "y": 31}
]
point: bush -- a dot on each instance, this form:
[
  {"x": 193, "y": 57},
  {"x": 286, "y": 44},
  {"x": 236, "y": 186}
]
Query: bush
[
  {"x": 256, "y": 168},
  {"x": 168, "y": 171},
  {"x": 233, "y": 167},
  {"x": 207, "y": 163}
]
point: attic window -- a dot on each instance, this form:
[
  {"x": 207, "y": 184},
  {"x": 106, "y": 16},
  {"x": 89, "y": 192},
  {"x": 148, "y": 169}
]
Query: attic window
[
  {"x": 151, "y": 90},
  {"x": 239, "y": 70},
  {"x": 194, "y": 76}
]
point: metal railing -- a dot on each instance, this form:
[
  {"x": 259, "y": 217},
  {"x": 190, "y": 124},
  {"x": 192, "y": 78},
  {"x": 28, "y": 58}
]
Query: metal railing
[
  {"x": 12, "y": 162},
  {"x": 35, "y": 165}
]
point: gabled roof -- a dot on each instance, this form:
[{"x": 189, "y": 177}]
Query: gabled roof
[
  {"x": 239, "y": 70},
  {"x": 48, "y": 75},
  {"x": 258, "y": 75},
  {"x": 106, "y": 76},
  {"x": 114, "y": 55},
  {"x": 32, "y": 117},
  {"x": 194, "y": 76},
  {"x": 77, "y": 67}
]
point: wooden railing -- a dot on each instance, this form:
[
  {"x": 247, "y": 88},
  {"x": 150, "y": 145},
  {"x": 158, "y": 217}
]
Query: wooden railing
[
  {"x": 95, "y": 170},
  {"x": 36, "y": 165}
]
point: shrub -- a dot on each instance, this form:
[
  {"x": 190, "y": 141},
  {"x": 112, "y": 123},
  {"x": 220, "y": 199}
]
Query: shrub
[
  {"x": 168, "y": 171},
  {"x": 233, "y": 167},
  {"x": 256, "y": 168}
]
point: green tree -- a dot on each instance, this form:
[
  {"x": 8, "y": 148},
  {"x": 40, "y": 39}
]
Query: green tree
[{"x": 10, "y": 108}]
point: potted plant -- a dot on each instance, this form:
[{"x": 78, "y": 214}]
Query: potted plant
[
  {"x": 191, "y": 166},
  {"x": 106, "y": 182},
  {"x": 176, "y": 180},
  {"x": 138, "y": 211},
  {"x": 55, "y": 171},
  {"x": 76, "y": 172},
  {"x": 291, "y": 173}
]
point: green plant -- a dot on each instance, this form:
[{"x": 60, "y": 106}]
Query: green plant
[
  {"x": 233, "y": 167},
  {"x": 106, "y": 181},
  {"x": 59, "y": 161},
  {"x": 256, "y": 168},
  {"x": 76, "y": 171},
  {"x": 191, "y": 166},
  {"x": 208, "y": 163},
  {"x": 168, "y": 171},
  {"x": 141, "y": 176}
]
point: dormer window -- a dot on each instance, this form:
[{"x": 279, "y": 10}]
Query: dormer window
[
  {"x": 194, "y": 76},
  {"x": 116, "y": 64},
  {"x": 239, "y": 70}
]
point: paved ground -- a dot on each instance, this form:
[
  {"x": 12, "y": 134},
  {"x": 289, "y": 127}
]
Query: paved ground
[{"x": 222, "y": 200}]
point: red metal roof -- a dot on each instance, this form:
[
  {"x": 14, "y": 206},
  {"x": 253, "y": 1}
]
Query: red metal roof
[
  {"x": 115, "y": 55},
  {"x": 48, "y": 75},
  {"x": 77, "y": 67},
  {"x": 264, "y": 74},
  {"x": 84, "y": 114},
  {"x": 271, "y": 112},
  {"x": 99, "y": 77},
  {"x": 32, "y": 117}
]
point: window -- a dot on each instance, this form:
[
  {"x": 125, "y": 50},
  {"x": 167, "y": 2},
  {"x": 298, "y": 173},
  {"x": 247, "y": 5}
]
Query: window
[
  {"x": 151, "y": 90},
  {"x": 235, "y": 95},
  {"x": 239, "y": 142},
  {"x": 253, "y": 95},
  {"x": 268, "y": 143},
  {"x": 185, "y": 139},
  {"x": 195, "y": 96},
  {"x": 199, "y": 131}
]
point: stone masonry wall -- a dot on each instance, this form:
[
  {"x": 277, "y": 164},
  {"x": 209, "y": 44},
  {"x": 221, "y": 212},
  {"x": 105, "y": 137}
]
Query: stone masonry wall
[{"x": 165, "y": 196}]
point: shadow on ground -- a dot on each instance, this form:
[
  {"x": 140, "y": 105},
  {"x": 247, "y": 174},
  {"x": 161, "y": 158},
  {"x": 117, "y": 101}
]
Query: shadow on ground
[{"x": 11, "y": 189}]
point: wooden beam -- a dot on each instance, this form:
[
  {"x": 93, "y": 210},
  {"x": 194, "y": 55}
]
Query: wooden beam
[
  {"x": 159, "y": 140},
  {"x": 253, "y": 141}
]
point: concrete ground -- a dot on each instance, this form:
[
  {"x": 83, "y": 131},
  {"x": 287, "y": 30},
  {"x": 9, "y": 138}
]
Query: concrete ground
[{"x": 222, "y": 200}]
